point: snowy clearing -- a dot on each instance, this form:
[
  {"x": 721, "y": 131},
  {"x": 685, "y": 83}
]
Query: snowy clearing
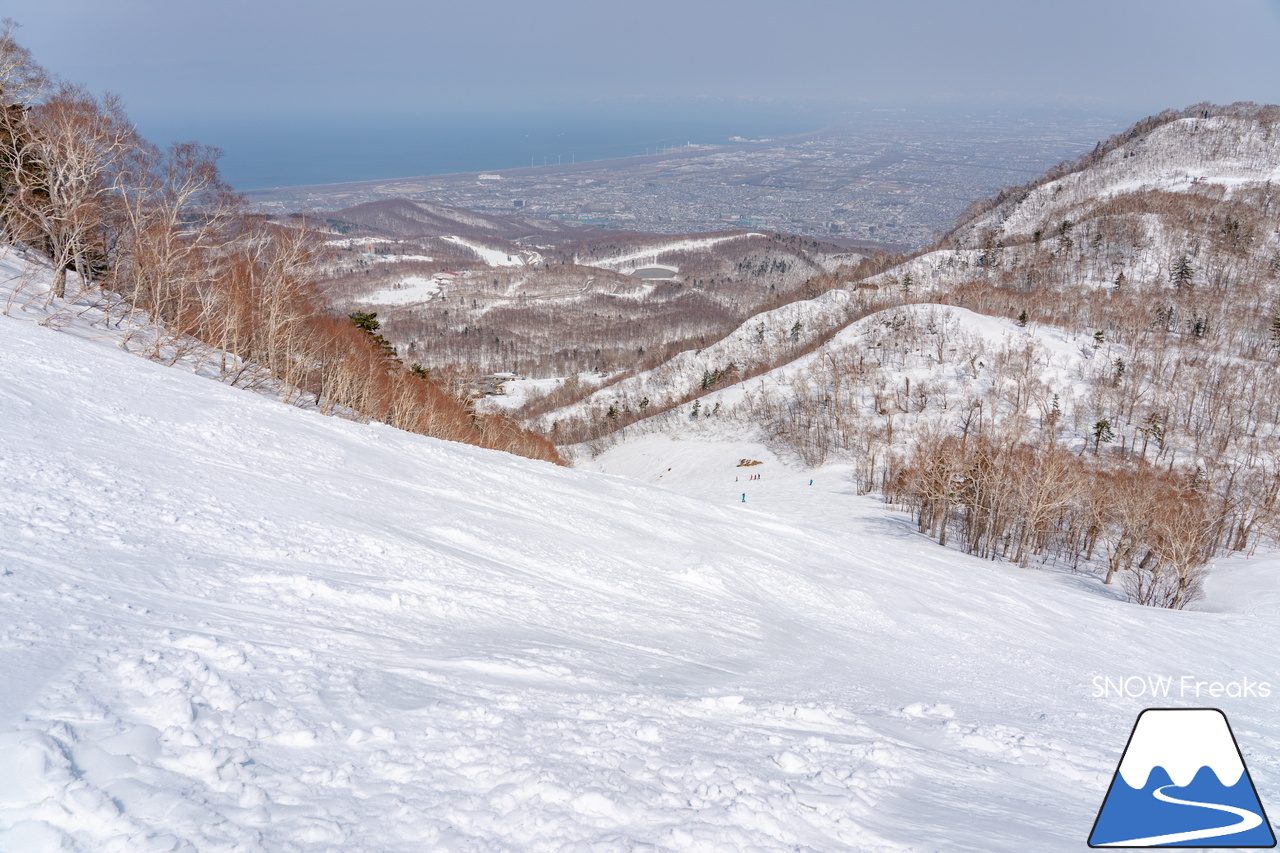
[
  {"x": 492, "y": 257},
  {"x": 654, "y": 251},
  {"x": 346, "y": 242},
  {"x": 407, "y": 291},
  {"x": 391, "y": 259}
]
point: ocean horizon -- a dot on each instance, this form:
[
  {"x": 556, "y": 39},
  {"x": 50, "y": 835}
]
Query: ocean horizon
[{"x": 284, "y": 152}]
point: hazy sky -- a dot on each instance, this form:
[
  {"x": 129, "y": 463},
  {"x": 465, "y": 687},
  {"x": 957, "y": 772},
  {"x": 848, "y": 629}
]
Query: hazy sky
[{"x": 315, "y": 58}]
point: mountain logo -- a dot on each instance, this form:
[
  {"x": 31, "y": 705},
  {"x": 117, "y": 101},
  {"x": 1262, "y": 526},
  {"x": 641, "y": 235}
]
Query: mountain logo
[{"x": 1182, "y": 783}]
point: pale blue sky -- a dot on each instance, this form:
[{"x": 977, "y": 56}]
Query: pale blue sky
[{"x": 289, "y": 57}]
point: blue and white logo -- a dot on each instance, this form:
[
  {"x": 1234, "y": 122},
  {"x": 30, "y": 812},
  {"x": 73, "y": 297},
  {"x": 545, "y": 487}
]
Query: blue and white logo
[{"x": 1182, "y": 783}]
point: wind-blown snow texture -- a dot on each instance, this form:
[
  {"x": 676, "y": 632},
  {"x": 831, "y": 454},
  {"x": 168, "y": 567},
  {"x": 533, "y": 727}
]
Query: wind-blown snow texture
[{"x": 229, "y": 624}]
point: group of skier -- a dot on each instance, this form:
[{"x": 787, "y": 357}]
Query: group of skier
[{"x": 756, "y": 477}]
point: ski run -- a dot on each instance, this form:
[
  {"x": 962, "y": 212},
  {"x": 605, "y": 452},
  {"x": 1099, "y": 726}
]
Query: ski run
[{"x": 227, "y": 623}]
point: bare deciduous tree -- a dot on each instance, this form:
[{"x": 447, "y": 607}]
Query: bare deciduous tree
[{"x": 59, "y": 163}]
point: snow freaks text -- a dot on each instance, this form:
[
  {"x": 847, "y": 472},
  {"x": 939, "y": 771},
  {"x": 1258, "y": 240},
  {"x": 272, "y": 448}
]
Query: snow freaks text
[{"x": 1179, "y": 687}]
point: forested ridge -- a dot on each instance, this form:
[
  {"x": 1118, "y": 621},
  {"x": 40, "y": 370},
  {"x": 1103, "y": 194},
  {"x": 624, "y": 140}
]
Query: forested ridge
[{"x": 1122, "y": 414}]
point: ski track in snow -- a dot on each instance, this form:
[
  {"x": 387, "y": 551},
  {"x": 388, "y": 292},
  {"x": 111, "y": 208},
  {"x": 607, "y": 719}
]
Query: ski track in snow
[
  {"x": 658, "y": 249},
  {"x": 493, "y": 257},
  {"x": 230, "y": 624},
  {"x": 1248, "y": 820}
]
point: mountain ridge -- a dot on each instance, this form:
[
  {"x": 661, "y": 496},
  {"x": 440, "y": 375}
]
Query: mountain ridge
[{"x": 1174, "y": 273}]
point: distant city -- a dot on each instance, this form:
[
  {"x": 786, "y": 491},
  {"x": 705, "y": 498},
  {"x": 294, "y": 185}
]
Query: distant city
[{"x": 893, "y": 178}]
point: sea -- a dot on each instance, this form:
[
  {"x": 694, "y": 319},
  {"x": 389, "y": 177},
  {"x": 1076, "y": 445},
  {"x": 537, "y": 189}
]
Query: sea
[{"x": 280, "y": 151}]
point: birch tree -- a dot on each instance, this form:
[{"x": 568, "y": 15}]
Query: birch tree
[{"x": 75, "y": 141}]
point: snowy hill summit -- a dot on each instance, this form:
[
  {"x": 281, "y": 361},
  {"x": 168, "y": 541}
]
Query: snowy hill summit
[
  {"x": 1145, "y": 193},
  {"x": 1201, "y": 150}
]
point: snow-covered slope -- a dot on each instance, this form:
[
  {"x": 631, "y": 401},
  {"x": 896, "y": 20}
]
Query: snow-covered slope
[
  {"x": 227, "y": 624},
  {"x": 496, "y": 257},
  {"x": 1172, "y": 228},
  {"x": 400, "y": 217},
  {"x": 627, "y": 262},
  {"x": 893, "y": 373},
  {"x": 1135, "y": 210},
  {"x": 878, "y": 384},
  {"x": 764, "y": 339},
  {"x": 941, "y": 351},
  {"x": 1185, "y": 155}
]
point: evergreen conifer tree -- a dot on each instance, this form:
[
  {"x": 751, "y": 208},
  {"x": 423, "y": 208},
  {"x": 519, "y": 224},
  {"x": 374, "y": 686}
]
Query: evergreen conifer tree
[
  {"x": 1182, "y": 272},
  {"x": 367, "y": 321}
]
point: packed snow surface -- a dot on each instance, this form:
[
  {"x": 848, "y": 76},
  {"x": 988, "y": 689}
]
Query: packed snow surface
[{"x": 230, "y": 624}]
